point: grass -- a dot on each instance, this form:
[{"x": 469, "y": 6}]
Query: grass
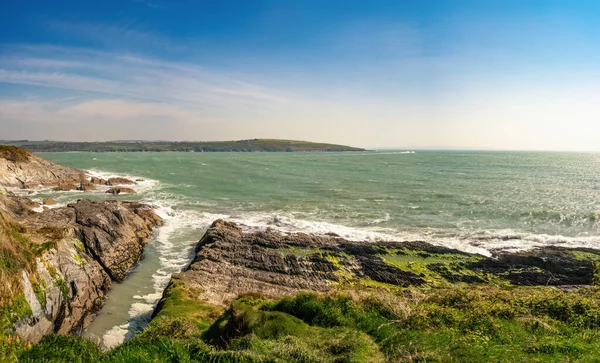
[
  {"x": 182, "y": 302},
  {"x": 445, "y": 324},
  {"x": 17, "y": 254},
  {"x": 40, "y": 293}
]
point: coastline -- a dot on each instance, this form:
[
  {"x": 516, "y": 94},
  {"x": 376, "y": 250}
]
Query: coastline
[{"x": 291, "y": 266}]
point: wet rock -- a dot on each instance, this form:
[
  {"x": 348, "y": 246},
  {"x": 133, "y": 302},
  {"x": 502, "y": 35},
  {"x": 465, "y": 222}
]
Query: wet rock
[
  {"x": 119, "y": 181},
  {"x": 48, "y": 201},
  {"x": 65, "y": 187},
  {"x": 120, "y": 190},
  {"x": 97, "y": 181},
  {"x": 543, "y": 266},
  {"x": 86, "y": 186}
]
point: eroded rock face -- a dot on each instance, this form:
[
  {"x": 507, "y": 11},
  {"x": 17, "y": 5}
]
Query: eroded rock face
[
  {"x": 29, "y": 171},
  {"x": 92, "y": 242},
  {"x": 230, "y": 262},
  {"x": 114, "y": 232},
  {"x": 74, "y": 286}
]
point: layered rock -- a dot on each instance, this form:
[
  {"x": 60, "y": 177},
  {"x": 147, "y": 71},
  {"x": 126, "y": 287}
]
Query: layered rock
[
  {"x": 20, "y": 168},
  {"x": 113, "y": 232},
  {"x": 71, "y": 287},
  {"x": 231, "y": 261},
  {"x": 83, "y": 246}
]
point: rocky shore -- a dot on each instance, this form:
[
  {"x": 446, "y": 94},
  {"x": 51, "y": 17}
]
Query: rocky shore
[
  {"x": 56, "y": 266},
  {"x": 230, "y": 262}
]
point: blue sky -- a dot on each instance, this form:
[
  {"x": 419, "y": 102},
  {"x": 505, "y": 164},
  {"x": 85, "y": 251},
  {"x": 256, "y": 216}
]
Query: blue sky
[{"x": 480, "y": 74}]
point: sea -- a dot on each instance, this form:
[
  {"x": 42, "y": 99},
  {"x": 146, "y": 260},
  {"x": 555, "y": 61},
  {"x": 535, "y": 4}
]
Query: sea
[{"x": 474, "y": 201}]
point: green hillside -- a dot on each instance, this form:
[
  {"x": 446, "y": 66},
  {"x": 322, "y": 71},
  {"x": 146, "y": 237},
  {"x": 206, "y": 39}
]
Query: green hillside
[{"x": 253, "y": 145}]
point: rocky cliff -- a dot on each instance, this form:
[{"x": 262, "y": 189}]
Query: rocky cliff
[
  {"x": 67, "y": 259},
  {"x": 20, "y": 168}
]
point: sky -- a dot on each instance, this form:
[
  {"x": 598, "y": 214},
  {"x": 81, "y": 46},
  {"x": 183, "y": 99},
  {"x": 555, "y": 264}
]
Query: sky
[{"x": 450, "y": 74}]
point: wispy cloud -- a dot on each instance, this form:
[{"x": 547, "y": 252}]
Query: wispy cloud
[
  {"x": 136, "y": 77},
  {"x": 152, "y": 5}
]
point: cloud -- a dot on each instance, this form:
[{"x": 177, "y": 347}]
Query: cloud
[{"x": 134, "y": 77}]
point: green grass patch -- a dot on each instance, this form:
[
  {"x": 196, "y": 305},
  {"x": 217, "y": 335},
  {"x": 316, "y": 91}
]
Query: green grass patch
[
  {"x": 64, "y": 289},
  {"x": 40, "y": 293},
  {"x": 181, "y": 302},
  {"x": 584, "y": 256}
]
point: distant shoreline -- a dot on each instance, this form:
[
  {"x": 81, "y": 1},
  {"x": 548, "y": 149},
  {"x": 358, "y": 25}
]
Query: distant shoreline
[{"x": 253, "y": 145}]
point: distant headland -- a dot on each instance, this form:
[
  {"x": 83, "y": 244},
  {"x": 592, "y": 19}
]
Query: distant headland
[{"x": 252, "y": 145}]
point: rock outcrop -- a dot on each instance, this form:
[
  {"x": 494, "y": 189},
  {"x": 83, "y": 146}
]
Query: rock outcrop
[
  {"x": 20, "y": 168},
  {"x": 112, "y": 232},
  {"x": 65, "y": 292},
  {"x": 120, "y": 190},
  {"x": 97, "y": 181},
  {"x": 230, "y": 261},
  {"x": 119, "y": 181},
  {"x": 85, "y": 186},
  {"x": 82, "y": 247}
]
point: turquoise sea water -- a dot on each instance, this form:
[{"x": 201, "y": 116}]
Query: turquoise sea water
[{"x": 474, "y": 201}]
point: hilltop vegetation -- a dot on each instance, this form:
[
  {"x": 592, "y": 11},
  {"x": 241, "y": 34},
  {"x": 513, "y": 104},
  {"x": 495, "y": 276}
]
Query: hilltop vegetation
[{"x": 254, "y": 145}]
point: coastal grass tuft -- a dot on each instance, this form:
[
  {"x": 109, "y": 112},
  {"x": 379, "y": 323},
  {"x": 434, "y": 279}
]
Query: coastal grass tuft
[{"x": 14, "y": 154}]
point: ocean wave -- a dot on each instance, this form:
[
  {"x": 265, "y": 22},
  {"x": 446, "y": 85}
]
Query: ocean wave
[{"x": 142, "y": 184}]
